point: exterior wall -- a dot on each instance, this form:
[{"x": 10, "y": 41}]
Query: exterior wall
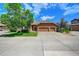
[{"x": 75, "y": 27}]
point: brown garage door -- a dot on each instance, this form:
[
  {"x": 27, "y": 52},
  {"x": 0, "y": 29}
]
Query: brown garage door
[
  {"x": 43, "y": 29},
  {"x": 75, "y": 27}
]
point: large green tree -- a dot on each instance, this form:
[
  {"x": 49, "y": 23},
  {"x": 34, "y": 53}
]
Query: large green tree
[
  {"x": 13, "y": 12},
  {"x": 17, "y": 18}
]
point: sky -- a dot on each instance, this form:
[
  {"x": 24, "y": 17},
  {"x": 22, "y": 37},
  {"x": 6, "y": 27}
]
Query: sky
[{"x": 52, "y": 12}]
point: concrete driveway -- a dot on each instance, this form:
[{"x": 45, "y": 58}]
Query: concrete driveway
[{"x": 45, "y": 44}]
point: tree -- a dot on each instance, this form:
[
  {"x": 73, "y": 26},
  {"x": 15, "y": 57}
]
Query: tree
[
  {"x": 62, "y": 23},
  {"x": 13, "y": 11},
  {"x": 63, "y": 26},
  {"x": 17, "y": 18},
  {"x": 27, "y": 19}
]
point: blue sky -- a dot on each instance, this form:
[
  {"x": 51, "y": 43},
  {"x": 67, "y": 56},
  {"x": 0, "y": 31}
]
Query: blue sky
[{"x": 52, "y": 12}]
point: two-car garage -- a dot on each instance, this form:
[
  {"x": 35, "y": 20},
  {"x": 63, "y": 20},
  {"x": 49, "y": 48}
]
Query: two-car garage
[
  {"x": 48, "y": 28},
  {"x": 45, "y": 27}
]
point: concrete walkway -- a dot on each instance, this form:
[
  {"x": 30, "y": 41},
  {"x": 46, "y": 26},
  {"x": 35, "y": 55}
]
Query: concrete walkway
[{"x": 45, "y": 44}]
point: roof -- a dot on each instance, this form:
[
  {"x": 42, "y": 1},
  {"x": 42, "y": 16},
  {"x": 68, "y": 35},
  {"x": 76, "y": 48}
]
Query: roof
[
  {"x": 75, "y": 20},
  {"x": 36, "y": 23}
]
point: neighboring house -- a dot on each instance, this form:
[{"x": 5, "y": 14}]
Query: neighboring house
[
  {"x": 75, "y": 25},
  {"x": 44, "y": 26},
  {"x": 75, "y": 21},
  {"x": 2, "y": 27}
]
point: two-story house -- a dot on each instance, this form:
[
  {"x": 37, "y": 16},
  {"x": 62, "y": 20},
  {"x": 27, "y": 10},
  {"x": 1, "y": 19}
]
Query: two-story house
[{"x": 75, "y": 25}]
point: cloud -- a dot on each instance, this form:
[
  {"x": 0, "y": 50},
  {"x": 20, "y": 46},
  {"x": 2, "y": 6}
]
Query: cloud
[
  {"x": 38, "y": 7},
  {"x": 35, "y": 8},
  {"x": 63, "y": 6},
  {"x": 47, "y": 17},
  {"x": 27, "y": 6},
  {"x": 71, "y": 10}
]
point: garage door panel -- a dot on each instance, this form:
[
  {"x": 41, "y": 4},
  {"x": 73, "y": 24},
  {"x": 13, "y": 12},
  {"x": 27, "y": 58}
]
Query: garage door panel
[{"x": 43, "y": 30}]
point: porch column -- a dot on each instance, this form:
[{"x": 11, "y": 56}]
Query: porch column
[
  {"x": 37, "y": 28},
  {"x": 49, "y": 28}
]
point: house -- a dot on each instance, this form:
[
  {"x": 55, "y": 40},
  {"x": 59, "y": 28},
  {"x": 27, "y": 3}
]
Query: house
[
  {"x": 2, "y": 27},
  {"x": 44, "y": 26},
  {"x": 75, "y": 25}
]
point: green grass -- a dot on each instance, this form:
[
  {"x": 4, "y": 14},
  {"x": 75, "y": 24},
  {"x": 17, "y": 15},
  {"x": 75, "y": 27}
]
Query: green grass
[
  {"x": 30, "y": 34},
  {"x": 13, "y": 34}
]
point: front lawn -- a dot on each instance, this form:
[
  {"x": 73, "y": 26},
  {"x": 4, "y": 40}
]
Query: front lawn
[{"x": 13, "y": 34}]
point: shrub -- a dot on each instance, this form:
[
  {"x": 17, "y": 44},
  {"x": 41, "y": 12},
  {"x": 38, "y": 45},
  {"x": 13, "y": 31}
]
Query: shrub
[
  {"x": 66, "y": 30},
  {"x": 61, "y": 30}
]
